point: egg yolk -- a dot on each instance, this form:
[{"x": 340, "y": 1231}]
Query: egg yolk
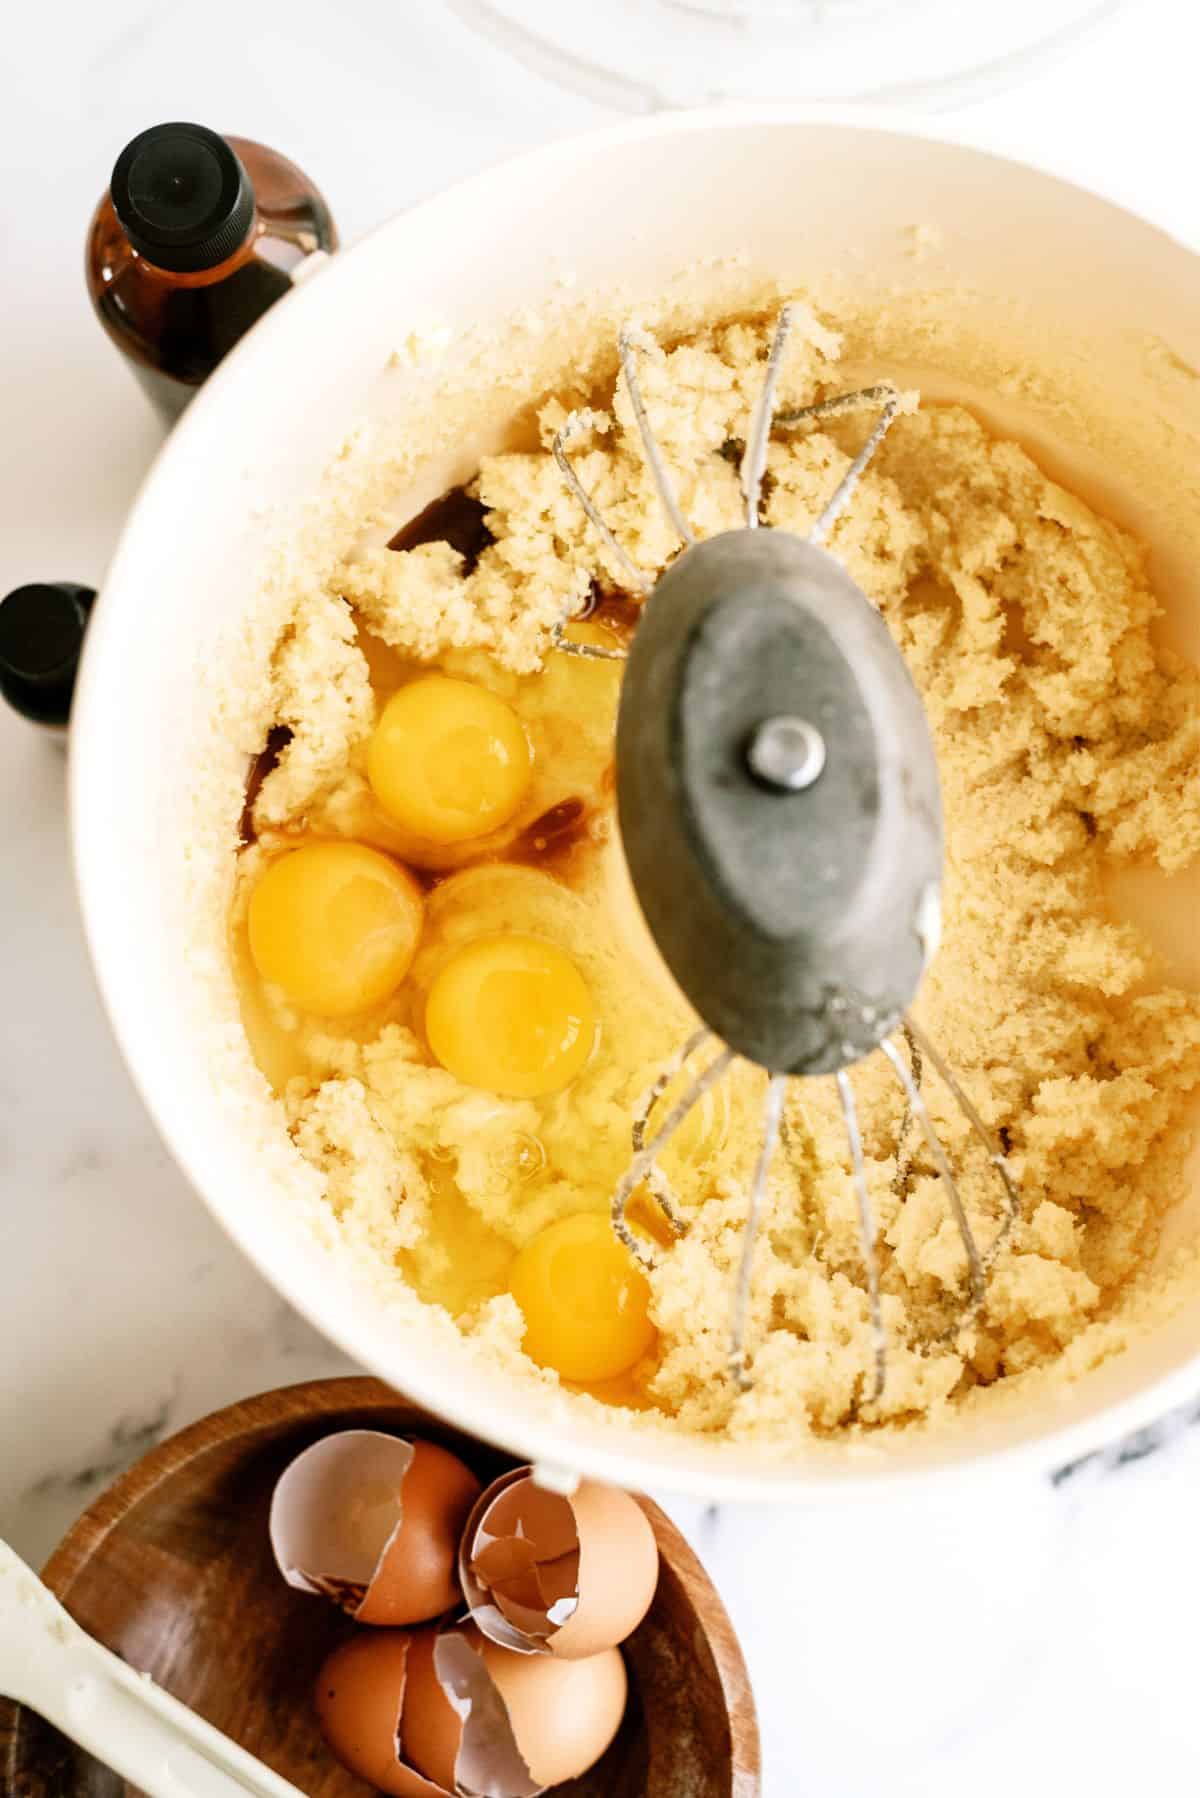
[
  {"x": 511, "y": 1014},
  {"x": 336, "y": 925},
  {"x": 448, "y": 760},
  {"x": 584, "y": 1299}
]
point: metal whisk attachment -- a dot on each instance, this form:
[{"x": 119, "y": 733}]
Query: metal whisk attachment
[{"x": 780, "y": 812}]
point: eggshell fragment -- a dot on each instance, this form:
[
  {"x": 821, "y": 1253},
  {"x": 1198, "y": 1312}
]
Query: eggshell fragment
[
  {"x": 489, "y": 1758},
  {"x": 563, "y": 1714},
  {"x": 432, "y": 1728},
  {"x": 360, "y": 1695},
  {"x": 438, "y": 1711},
  {"x": 373, "y": 1522},
  {"x": 542, "y": 1573}
]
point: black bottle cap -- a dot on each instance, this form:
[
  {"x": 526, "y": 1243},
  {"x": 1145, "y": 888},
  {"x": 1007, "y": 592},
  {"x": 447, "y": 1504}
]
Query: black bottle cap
[
  {"x": 182, "y": 196},
  {"x": 41, "y": 635}
]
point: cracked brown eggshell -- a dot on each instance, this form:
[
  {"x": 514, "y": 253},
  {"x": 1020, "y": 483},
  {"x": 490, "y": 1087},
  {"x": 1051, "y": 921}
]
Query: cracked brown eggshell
[
  {"x": 373, "y": 1522},
  {"x": 548, "y": 1574},
  {"x": 431, "y": 1728},
  {"x": 481, "y": 1719},
  {"x": 360, "y": 1694},
  {"x": 563, "y": 1713},
  {"x": 441, "y": 1712},
  {"x": 456, "y": 1726}
]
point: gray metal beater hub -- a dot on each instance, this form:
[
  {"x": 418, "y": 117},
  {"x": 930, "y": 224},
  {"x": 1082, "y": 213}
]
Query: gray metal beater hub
[{"x": 787, "y": 909}]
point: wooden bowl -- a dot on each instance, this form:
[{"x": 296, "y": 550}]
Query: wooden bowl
[{"x": 172, "y": 1568}]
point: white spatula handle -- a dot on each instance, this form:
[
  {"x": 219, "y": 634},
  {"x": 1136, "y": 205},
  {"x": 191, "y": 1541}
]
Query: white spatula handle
[{"x": 48, "y": 1663}]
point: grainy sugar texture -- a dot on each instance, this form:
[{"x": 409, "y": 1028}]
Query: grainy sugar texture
[{"x": 1067, "y": 743}]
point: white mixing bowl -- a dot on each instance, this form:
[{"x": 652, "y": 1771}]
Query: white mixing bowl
[{"x": 1103, "y": 293}]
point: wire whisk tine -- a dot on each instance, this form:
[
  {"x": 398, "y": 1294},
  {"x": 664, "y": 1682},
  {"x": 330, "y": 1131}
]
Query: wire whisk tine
[
  {"x": 941, "y": 1162},
  {"x": 884, "y": 395},
  {"x": 587, "y": 652},
  {"x": 899, "y": 1182},
  {"x": 758, "y": 436},
  {"x": 866, "y": 1230},
  {"x": 627, "y": 347},
  {"x": 772, "y": 1114},
  {"x": 1012, "y": 1198},
  {"x": 840, "y": 405},
  {"x": 574, "y": 426},
  {"x": 657, "y": 1181},
  {"x": 646, "y": 1157}
]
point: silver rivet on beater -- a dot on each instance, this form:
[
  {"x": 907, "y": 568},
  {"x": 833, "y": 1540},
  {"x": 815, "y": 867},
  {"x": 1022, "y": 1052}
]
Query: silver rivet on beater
[{"x": 788, "y": 753}]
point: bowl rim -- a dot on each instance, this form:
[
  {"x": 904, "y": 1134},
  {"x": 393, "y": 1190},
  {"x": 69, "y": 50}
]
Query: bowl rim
[{"x": 631, "y": 1460}]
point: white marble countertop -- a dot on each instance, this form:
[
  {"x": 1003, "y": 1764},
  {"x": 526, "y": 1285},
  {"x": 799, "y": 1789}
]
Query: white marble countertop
[{"x": 1024, "y": 1634}]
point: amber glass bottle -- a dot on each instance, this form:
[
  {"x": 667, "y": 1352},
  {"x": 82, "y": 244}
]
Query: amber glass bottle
[{"x": 196, "y": 237}]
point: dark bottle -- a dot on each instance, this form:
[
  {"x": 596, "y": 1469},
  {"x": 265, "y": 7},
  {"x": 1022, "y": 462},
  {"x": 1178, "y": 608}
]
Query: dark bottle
[
  {"x": 196, "y": 237},
  {"x": 41, "y": 635}
]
